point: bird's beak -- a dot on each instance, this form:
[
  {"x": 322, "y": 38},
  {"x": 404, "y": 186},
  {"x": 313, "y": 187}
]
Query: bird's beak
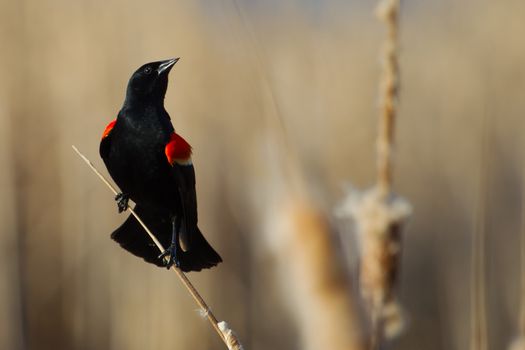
[{"x": 165, "y": 66}]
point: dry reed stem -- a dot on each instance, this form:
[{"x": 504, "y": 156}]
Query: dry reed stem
[
  {"x": 478, "y": 313},
  {"x": 522, "y": 251},
  {"x": 387, "y": 11},
  {"x": 519, "y": 342},
  {"x": 227, "y": 336},
  {"x": 378, "y": 213}
]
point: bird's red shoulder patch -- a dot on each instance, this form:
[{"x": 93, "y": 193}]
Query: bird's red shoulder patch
[
  {"x": 108, "y": 129},
  {"x": 178, "y": 150}
]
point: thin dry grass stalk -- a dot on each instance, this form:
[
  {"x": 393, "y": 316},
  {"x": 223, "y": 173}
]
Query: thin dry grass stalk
[
  {"x": 522, "y": 311},
  {"x": 387, "y": 11},
  {"x": 228, "y": 337},
  {"x": 478, "y": 312},
  {"x": 519, "y": 342}
]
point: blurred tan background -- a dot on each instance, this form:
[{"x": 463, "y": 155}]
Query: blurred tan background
[{"x": 307, "y": 70}]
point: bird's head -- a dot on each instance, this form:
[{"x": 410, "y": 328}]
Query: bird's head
[{"x": 149, "y": 83}]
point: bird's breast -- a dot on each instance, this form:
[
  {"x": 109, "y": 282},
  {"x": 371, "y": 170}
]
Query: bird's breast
[{"x": 139, "y": 166}]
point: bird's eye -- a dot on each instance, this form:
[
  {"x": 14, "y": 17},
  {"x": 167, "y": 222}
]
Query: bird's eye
[{"x": 147, "y": 70}]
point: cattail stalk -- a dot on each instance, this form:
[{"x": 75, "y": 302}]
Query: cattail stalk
[
  {"x": 382, "y": 245},
  {"x": 378, "y": 213},
  {"x": 518, "y": 342},
  {"x": 478, "y": 313},
  {"x": 387, "y": 11},
  {"x": 522, "y": 257},
  {"x": 226, "y": 334}
]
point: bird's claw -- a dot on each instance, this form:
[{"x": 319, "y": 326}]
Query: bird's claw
[
  {"x": 122, "y": 201},
  {"x": 173, "y": 256}
]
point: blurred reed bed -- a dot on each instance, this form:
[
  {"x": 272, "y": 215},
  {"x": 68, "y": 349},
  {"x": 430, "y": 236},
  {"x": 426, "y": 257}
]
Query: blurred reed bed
[{"x": 312, "y": 66}]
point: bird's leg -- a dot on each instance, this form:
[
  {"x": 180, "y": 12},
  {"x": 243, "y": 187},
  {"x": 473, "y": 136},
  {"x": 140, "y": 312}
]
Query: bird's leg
[
  {"x": 122, "y": 201},
  {"x": 174, "y": 248}
]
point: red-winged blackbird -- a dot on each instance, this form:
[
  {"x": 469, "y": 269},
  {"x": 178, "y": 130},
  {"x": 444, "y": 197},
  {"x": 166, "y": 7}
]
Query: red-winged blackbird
[{"x": 152, "y": 166}]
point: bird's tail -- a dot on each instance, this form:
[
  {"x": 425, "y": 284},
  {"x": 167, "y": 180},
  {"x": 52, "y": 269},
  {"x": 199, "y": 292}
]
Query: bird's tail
[
  {"x": 132, "y": 237},
  {"x": 200, "y": 254}
]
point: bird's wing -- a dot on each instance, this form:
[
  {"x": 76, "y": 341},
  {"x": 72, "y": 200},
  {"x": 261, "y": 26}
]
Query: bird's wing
[
  {"x": 185, "y": 175},
  {"x": 178, "y": 154},
  {"x": 105, "y": 142}
]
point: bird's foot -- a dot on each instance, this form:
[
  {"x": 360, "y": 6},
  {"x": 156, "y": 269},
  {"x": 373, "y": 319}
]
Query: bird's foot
[
  {"x": 122, "y": 201},
  {"x": 172, "y": 252}
]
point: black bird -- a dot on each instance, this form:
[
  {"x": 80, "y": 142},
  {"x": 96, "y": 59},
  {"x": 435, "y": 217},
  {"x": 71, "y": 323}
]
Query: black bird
[{"x": 152, "y": 166}]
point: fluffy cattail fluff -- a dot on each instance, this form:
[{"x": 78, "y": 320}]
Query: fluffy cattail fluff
[
  {"x": 230, "y": 337},
  {"x": 377, "y": 224}
]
